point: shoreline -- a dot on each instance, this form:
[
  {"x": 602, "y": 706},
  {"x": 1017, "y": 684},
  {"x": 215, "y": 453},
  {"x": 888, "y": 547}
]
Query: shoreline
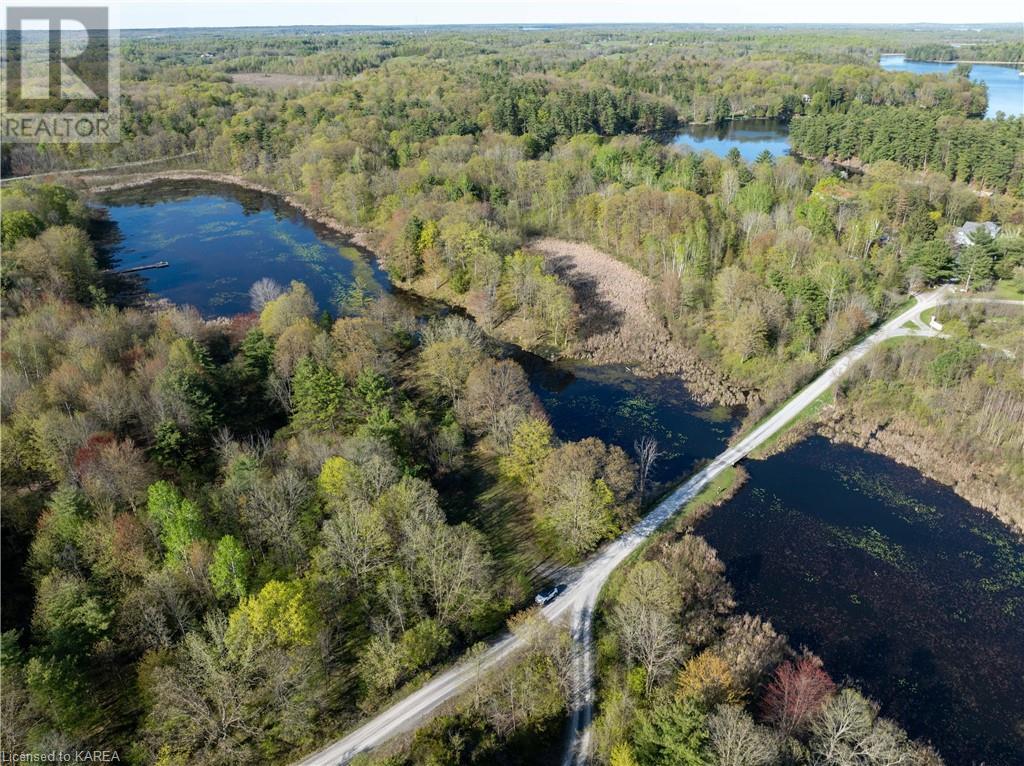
[
  {"x": 706, "y": 385},
  {"x": 910, "y": 444},
  {"x": 359, "y": 237},
  {"x": 604, "y": 286},
  {"x": 915, "y": 446},
  {"x": 965, "y": 61}
]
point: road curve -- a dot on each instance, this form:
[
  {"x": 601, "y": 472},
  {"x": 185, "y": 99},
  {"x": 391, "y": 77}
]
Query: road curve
[{"x": 580, "y": 598}]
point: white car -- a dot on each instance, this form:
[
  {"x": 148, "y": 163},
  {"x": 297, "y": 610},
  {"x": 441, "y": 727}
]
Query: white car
[{"x": 548, "y": 595}]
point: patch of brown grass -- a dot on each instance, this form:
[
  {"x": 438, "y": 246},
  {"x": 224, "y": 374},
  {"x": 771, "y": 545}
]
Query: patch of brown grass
[{"x": 617, "y": 324}]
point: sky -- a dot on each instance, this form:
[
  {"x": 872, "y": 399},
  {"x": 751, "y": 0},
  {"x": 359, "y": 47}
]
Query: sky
[{"x": 135, "y": 14}]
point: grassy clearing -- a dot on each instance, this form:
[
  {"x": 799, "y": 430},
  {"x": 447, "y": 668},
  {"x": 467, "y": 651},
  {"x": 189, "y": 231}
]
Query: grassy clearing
[
  {"x": 722, "y": 486},
  {"x": 1006, "y": 289},
  {"x": 276, "y": 81},
  {"x": 994, "y": 324}
]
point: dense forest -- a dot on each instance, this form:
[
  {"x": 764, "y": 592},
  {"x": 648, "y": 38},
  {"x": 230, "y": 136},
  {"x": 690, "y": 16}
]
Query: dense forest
[
  {"x": 236, "y": 537},
  {"x": 238, "y": 543},
  {"x": 178, "y": 90},
  {"x": 233, "y": 530},
  {"x": 986, "y": 153},
  {"x": 967, "y": 52}
]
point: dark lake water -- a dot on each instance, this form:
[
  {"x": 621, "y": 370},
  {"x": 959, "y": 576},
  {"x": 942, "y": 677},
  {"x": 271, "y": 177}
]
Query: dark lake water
[
  {"x": 896, "y": 582},
  {"x": 617, "y": 407},
  {"x": 749, "y": 137},
  {"x": 1005, "y": 86},
  {"x": 220, "y": 239}
]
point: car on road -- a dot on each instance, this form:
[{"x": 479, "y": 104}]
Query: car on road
[{"x": 548, "y": 595}]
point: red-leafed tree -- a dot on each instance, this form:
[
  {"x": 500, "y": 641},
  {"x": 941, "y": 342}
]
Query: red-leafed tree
[{"x": 796, "y": 693}]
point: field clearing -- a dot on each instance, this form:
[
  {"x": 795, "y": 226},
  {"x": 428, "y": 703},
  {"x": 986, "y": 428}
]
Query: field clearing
[
  {"x": 616, "y": 322},
  {"x": 276, "y": 82}
]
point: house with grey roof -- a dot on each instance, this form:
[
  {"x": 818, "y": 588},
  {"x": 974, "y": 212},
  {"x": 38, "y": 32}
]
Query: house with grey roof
[{"x": 962, "y": 236}]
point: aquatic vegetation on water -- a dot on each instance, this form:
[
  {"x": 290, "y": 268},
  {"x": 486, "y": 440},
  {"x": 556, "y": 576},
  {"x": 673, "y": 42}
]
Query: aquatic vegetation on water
[
  {"x": 227, "y": 297},
  {"x": 718, "y": 414},
  {"x": 218, "y": 227},
  {"x": 638, "y": 409},
  {"x": 158, "y": 240},
  {"x": 1008, "y": 558},
  {"x": 220, "y": 240},
  {"x": 894, "y": 581},
  {"x": 875, "y": 544},
  {"x": 912, "y": 510}
]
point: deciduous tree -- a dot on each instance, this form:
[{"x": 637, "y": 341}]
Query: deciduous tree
[
  {"x": 229, "y": 569},
  {"x": 797, "y": 693},
  {"x": 737, "y": 741}
]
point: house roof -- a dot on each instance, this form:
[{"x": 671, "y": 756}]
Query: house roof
[{"x": 963, "y": 234}]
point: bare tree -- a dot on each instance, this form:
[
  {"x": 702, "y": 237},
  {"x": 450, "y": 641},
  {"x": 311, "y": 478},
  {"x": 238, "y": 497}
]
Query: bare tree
[
  {"x": 738, "y": 741},
  {"x": 647, "y": 454},
  {"x": 750, "y": 646},
  {"x": 219, "y": 697},
  {"x": 262, "y": 292},
  {"x": 273, "y": 511},
  {"x": 451, "y": 568},
  {"x": 645, "y": 620},
  {"x": 841, "y": 728},
  {"x": 492, "y": 387},
  {"x": 354, "y": 545}
]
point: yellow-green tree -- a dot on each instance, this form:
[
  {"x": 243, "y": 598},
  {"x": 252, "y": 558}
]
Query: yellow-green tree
[
  {"x": 531, "y": 443},
  {"x": 283, "y": 611}
]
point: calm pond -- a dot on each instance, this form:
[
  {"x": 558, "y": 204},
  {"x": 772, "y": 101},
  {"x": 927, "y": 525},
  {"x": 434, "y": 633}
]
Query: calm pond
[
  {"x": 749, "y": 137},
  {"x": 892, "y": 579},
  {"x": 895, "y": 581},
  {"x": 1005, "y": 86},
  {"x": 219, "y": 239}
]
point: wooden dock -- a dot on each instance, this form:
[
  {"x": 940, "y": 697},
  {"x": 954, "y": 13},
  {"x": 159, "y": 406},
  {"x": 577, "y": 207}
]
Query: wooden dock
[{"x": 145, "y": 267}]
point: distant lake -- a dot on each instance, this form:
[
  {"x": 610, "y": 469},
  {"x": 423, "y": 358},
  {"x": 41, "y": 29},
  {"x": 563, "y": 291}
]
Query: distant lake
[
  {"x": 750, "y": 137},
  {"x": 218, "y": 239},
  {"x": 1005, "y": 86}
]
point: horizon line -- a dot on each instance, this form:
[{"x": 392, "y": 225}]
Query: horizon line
[{"x": 539, "y": 25}]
